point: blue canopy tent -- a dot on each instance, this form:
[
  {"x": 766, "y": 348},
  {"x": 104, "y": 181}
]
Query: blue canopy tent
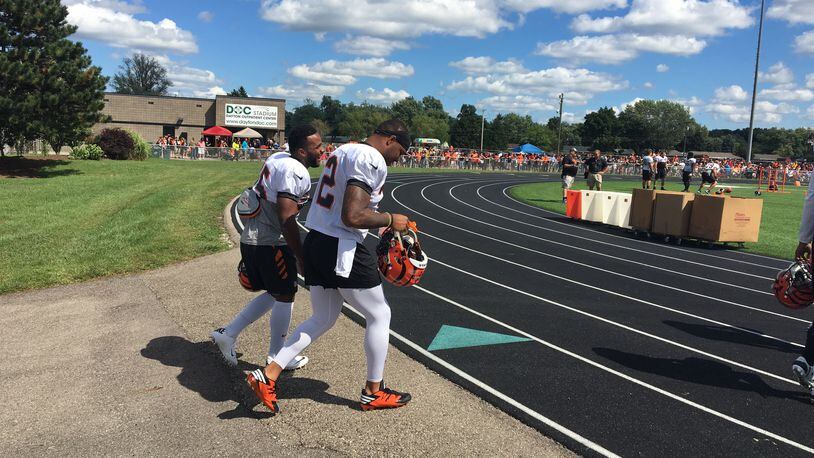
[{"x": 528, "y": 148}]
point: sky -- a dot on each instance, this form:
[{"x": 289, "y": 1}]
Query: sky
[{"x": 499, "y": 55}]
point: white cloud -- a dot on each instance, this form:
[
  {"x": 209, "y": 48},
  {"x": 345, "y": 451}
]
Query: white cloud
[
  {"x": 301, "y": 91},
  {"x": 516, "y": 103},
  {"x": 579, "y": 85},
  {"x": 407, "y": 18},
  {"x": 206, "y": 16},
  {"x": 134, "y": 7},
  {"x": 810, "y": 112},
  {"x": 805, "y": 43},
  {"x": 568, "y": 7},
  {"x": 662, "y": 68},
  {"x": 777, "y": 74},
  {"x": 810, "y": 81},
  {"x": 385, "y": 97},
  {"x": 691, "y": 104},
  {"x": 188, "y": 80},
  {"x": 765, "y": 112},
  {"x": 112, "y": 22},
  {"x": 687, "y": 17},
  {"x": 792, "y": 94},
  {"x": 631, "y": 103},
  {"x": 369, "y": 46},
  {"x": 209, "y": 93},
  {"x": 485, "y": 65},
  {"x": 615, "y": 49},
  {"x": 793, "y": 11},
  {"x": 732, "y": 93},
  {"x": 647, "y": 85},
  {"x": 333, "y": 72}
]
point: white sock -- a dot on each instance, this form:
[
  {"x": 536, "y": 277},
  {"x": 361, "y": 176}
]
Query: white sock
[
  {"x": 258, "y": 307},
  {"x": 279, "y": 321}
]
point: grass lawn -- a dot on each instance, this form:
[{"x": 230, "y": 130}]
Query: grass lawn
[
  {"x": 63, "y": 221},
  {"x": 778, "y": 228}
]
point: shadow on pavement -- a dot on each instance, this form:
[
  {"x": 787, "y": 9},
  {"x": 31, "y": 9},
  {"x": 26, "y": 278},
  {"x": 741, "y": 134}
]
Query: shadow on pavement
[
  {"x": 700, "y": 371},
  {"x": 203, "y": 371},
  {"x": 727, "y": 334}
]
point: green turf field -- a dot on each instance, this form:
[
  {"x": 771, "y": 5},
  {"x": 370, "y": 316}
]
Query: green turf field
[
  {"x": 63, "y": 221},
  {"x": 778, "y": 228}
]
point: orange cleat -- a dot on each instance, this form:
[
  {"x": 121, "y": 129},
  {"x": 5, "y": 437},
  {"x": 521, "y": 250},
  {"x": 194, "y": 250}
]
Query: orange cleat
[
  {"x": 264, "y": 389},
  {"x": 385, "y": 398}
]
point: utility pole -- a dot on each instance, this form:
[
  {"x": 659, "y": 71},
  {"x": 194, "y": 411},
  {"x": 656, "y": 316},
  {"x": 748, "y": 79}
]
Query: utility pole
[
  {"x": 754, "y": 87},
  {"x": 482, "y": 123},
  {"x": 559, "y": 127}
]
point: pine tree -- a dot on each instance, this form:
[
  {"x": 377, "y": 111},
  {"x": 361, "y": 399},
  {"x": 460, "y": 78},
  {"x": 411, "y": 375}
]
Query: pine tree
[
  {"x": 48, "y": 88},
  {"x": 239, "y": 92}
]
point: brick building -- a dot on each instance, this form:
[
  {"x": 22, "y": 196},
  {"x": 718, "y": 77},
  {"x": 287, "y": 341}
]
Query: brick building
[{"x": 154, "y": 116}]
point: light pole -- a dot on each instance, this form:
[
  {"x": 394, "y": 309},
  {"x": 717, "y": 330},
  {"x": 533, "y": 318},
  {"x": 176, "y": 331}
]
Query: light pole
[
  {"x": 559, "y": 127},
  {"x": 754, "y": 87},
  {"x": 686, "y": 131},
  {"x": 482, "y": 123}
]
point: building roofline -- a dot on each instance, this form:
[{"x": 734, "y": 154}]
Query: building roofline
[{"x": 192, "y": 98}]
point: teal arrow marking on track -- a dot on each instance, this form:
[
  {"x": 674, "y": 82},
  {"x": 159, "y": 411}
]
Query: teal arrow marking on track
[{"x": 457, "y": 337}]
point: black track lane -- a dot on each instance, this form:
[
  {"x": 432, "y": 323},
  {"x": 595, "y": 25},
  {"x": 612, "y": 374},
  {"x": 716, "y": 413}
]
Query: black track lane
[
  {"x": 576, "y": 248},
  {"x": 494, "y": 201}
]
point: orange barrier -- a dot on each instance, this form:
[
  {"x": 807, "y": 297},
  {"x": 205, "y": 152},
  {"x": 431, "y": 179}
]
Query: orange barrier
[{"x": 573, "y": 208}]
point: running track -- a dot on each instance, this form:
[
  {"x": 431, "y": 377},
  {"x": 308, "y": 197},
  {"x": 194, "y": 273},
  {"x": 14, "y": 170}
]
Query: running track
[{"x": 635, "y": 348}]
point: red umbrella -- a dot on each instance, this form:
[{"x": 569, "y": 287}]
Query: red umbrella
[{"x": 218, "y": 131}]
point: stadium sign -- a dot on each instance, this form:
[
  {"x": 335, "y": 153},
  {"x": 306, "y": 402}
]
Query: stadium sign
[{"x": 251, "y": 116}]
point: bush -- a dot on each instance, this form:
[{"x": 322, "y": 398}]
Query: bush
[
  {"x": 141, "y": 149},
  {"x": 87, "y": 151},
  {"x": 116, "y": 143}
]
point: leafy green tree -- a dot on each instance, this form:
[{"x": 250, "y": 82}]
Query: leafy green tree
[
  {"x": 359, "y": 121},
  {"x": 141, "y": 75},
  {"x": 305, "y": 114},
  {"x": 239, "y": 92},
  {"x": 332, "y": 111},
  {"x": 425, "y": 125},
  {"x": 509, "y": 128},
  {"x": 601, "y": 129},
  {"x": 466, "y": 130},
  {"x": 542, "y": 137},
  {"x": 48, "y": 87},
  {"x": 655, "y": 123},
  {"x": 406, "y": 110}
]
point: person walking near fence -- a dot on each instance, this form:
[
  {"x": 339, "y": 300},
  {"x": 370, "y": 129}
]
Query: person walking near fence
[
  {"x": 647, "y": 169},
  {"x": 569, "y": 173},
  {"x": 687, "y": 171},
  {"x": 596, "y": 166},
  {"x": 270, "y": 247}
]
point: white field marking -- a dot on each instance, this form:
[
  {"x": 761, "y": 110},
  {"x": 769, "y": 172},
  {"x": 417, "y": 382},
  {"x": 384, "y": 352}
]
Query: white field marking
[
  {"x": 651, "y": 253},
  {"x": 547, "y": 421},
  {"x": 626, "y": 377},
  {"x": 624, "y": 296},
  {"x": 587, "y": 250},
  {"x": 692, "y": 293},
  {"x": 614, "y": 323},
  {"x": 572, "y": 226}
]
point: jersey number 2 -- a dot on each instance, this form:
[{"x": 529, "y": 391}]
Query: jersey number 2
[{"x": 328, "y": 179}]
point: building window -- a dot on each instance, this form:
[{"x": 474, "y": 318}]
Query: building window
[
  {"x": 198, "y": 105},
  {"x": 107, "y": 100},
  {"x": 151, "y": 103}
]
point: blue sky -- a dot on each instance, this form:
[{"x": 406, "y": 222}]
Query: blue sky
[{"x": 500, "y": 55}]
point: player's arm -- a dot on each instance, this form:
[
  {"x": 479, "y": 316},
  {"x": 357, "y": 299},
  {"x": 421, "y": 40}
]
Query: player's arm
[
  {"x": 287, "y": 211},
  {"x": 356, "y": 214}
]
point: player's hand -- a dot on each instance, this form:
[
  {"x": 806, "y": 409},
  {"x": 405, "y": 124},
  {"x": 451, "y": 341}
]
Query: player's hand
[
  {"x": 803, "y": 252},
  {"x": 399, "y": 222}
]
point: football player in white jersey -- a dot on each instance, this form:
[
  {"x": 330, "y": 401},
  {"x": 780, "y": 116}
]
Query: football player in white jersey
[
  {"x": 687, "y": 171},
  {"x": 270, "y": 245},
  {"x": 647, "y": 169},
  {"x": 709, "y": 174},
  {"x": 338, "y": 267}
]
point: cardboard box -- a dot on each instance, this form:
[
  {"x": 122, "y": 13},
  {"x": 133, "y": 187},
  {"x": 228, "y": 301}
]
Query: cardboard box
[
  {"x": 641, "y": 209},
  {"x": 672, "y": 212},
  {"x": 726, "y": 218}
]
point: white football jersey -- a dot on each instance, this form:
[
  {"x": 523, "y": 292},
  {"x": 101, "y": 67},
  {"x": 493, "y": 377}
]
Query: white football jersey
[
  {"x": 352, "y": 162},
  {"x": 281, "y": 175},
  {"x": 689, "y": 165},
  {"x": 647, "y": 162}
]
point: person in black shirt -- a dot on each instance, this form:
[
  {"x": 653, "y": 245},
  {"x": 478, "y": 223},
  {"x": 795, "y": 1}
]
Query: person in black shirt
[
  {"x": 569, "y": 172},
  {"x": 596, "y": 165}
]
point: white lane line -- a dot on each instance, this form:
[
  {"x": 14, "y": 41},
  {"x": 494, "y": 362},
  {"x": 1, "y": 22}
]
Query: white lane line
[
  {"x": 641, "y": 383},
  {"x": 639, "y": 241},
  {"x": 672, "y": 272},
  {"x": 588, "y": 266},
  {"x": 593, "y": 240},
  {"x": 624, "y": 296}
]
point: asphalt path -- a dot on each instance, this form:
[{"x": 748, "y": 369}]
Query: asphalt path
[{"x": 621, "y": 345}]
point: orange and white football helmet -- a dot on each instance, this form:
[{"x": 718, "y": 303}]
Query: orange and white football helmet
[
  {"x": 793, "y": 286},
  {"x": 243, "y": 277},
  {"x": 402, "y": 262}
]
